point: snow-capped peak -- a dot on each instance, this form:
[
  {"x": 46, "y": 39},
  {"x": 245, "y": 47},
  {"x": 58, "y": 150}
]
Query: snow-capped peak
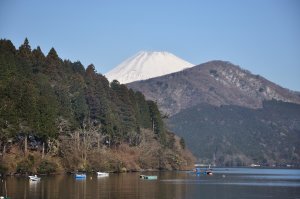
[{"x": 145, "y": 65}]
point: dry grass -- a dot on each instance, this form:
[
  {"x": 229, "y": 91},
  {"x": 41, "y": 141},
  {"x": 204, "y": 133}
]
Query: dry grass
[{"x": 148, "y": 155}]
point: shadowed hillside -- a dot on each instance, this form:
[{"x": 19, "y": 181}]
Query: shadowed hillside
[{"x": 235, "y": 136}]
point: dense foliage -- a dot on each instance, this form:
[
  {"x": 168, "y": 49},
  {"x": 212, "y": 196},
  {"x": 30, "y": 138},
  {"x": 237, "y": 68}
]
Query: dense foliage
[
  {"x": 42, "y": 94},
  {"x": 237, "y": 136},
  {"x": 60, "y": 108}
]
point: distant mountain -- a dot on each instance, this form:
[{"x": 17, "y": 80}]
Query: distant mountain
[
  {"x": 236, "y": 136},
  {"x": 228, "y": 115},
  {"x": 216, "y": 83},
  {"x": 145, "y": 65}
]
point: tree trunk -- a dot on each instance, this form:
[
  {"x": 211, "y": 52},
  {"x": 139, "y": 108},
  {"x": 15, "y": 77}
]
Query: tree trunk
[
  {"x": 153, "y": 125},
  {"x": 4, "y": 151},
  {"x": 84, "y": 149},
  {"x": 43, "y": 150},
  {"x": 98, "y": 143},
  {"x": 77, "y": 140},
  {"x": 25, "y": 145}
]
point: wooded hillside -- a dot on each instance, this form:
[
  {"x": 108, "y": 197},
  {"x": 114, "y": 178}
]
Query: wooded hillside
[{"x": 46, "y": 100}]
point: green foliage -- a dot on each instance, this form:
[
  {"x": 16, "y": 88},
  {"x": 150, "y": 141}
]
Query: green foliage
[
  {"x": 3, "y": 169},
  {"x": 78, "y": 115},
  {"x": 157, "y": 123},
  {"x": 143, "y": 111},
  {"x": 25, "y": 166},
  {"x": 41, "y": 95}
]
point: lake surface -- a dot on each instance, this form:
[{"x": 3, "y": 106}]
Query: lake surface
[{"x": 227, "y": 183}]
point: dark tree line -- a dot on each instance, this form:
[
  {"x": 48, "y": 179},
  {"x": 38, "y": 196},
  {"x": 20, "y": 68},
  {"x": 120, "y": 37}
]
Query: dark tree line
[{"x": 46, "y": 96}]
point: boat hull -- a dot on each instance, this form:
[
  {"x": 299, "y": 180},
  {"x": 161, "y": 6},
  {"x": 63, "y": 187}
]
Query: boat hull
[
  {"x": 34, "y": 178},
  {"x": 102, "y": 174},
  {"x": 144, "y": 177},
  {"x": 80, "y": 176}
]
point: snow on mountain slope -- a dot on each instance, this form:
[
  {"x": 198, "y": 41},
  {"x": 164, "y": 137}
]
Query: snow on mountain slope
[{"x": 145, "y": 65}]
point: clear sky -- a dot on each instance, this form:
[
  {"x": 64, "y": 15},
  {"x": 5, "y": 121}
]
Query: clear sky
[{"x": 262, "y": 36}]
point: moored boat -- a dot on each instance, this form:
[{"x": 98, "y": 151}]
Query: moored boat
[
  {"x": 198, "y": 171},
  {"x": 144, "y": 177},
  {"x": 80, "y": 175},
  {"x": 34, "y": 178},
  {"x": 102, "y": 174}
]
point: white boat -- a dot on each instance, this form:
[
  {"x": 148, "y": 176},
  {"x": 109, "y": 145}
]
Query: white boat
[
  {"x": 144, "y": 177},
  {"x": 34, "y": 178},
  {"x": 102, "y": 174}
]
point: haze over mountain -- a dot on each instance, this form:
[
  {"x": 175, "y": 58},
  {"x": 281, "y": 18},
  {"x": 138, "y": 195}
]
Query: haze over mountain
[
  {"x": 145, "y": 65},
  {"x": 229, "y": 116}
]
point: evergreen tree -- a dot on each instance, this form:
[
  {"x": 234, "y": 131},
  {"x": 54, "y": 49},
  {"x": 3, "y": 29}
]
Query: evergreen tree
[
  {"x": 37, "y": 93},
  {"x": 25, "y": 49},
  {"x": 78, "y": 101},
  {"x": 144, "y": 113},
  {"x": 25, "y": 58},
  {"x": 125, "y": 108},
  {"x": 48, "y": 108},
  {"x": 38, "y": 60},
  {"x": 157, "y": 123},
  {"x": 53, "y": 66}
]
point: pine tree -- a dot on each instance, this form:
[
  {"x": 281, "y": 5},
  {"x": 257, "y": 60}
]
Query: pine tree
[
  {"x": 157, "y": 123},
  {"x": 144, "y": 114},
  {"x": 25, "y": 49},
  {"x": 38, "y": 60},
  {"x": 25, "y": 58}
]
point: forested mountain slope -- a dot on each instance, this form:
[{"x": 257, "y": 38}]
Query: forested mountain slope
[
  {"x": 73, "y": 114},
  {"x": 231, "y": 135}
]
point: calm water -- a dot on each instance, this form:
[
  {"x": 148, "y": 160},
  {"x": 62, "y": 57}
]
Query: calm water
[{"x": 228, "y": 183}]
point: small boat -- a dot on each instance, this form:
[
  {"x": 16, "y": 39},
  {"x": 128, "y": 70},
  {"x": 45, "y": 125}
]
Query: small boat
[
  {"x": 102, "y": 174},
  {"x": 209, "y": 172},
  {"x": 144, "y": 177},
  {"x": 198, "y": 171},
  {"x": 34, "y": 178},
  {"x": 80, "y": 175}
]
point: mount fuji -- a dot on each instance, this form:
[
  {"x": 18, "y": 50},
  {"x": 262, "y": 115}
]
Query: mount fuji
[{"x": 145, "y": 65}]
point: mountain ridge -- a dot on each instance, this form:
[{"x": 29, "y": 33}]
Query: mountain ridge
[{"x": 216, "y": 83}]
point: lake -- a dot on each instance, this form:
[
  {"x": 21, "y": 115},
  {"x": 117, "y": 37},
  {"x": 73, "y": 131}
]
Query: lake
[{"x": 227, "y": 183}]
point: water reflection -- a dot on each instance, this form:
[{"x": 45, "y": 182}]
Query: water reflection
[
  {"x": 33, "y": 186},
  {"x": 225, "y": 183}
]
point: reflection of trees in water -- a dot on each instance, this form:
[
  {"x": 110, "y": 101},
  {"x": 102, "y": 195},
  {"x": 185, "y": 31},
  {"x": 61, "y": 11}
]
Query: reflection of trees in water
[
  {"x": 80, "y": 188},
  {"x": 171, "y": 191}
]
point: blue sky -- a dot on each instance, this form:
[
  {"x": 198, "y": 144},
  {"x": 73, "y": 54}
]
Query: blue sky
[{"x": 262, "y": 36}]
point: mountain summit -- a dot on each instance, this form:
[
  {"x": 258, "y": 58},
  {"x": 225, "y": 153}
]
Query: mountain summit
[{"x": 145, "y": 65}]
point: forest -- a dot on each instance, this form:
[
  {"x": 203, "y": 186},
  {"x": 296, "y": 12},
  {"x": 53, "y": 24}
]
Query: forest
[
  {"x": 57, "y": 115},
  {"x": 233, "y": 136}
]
